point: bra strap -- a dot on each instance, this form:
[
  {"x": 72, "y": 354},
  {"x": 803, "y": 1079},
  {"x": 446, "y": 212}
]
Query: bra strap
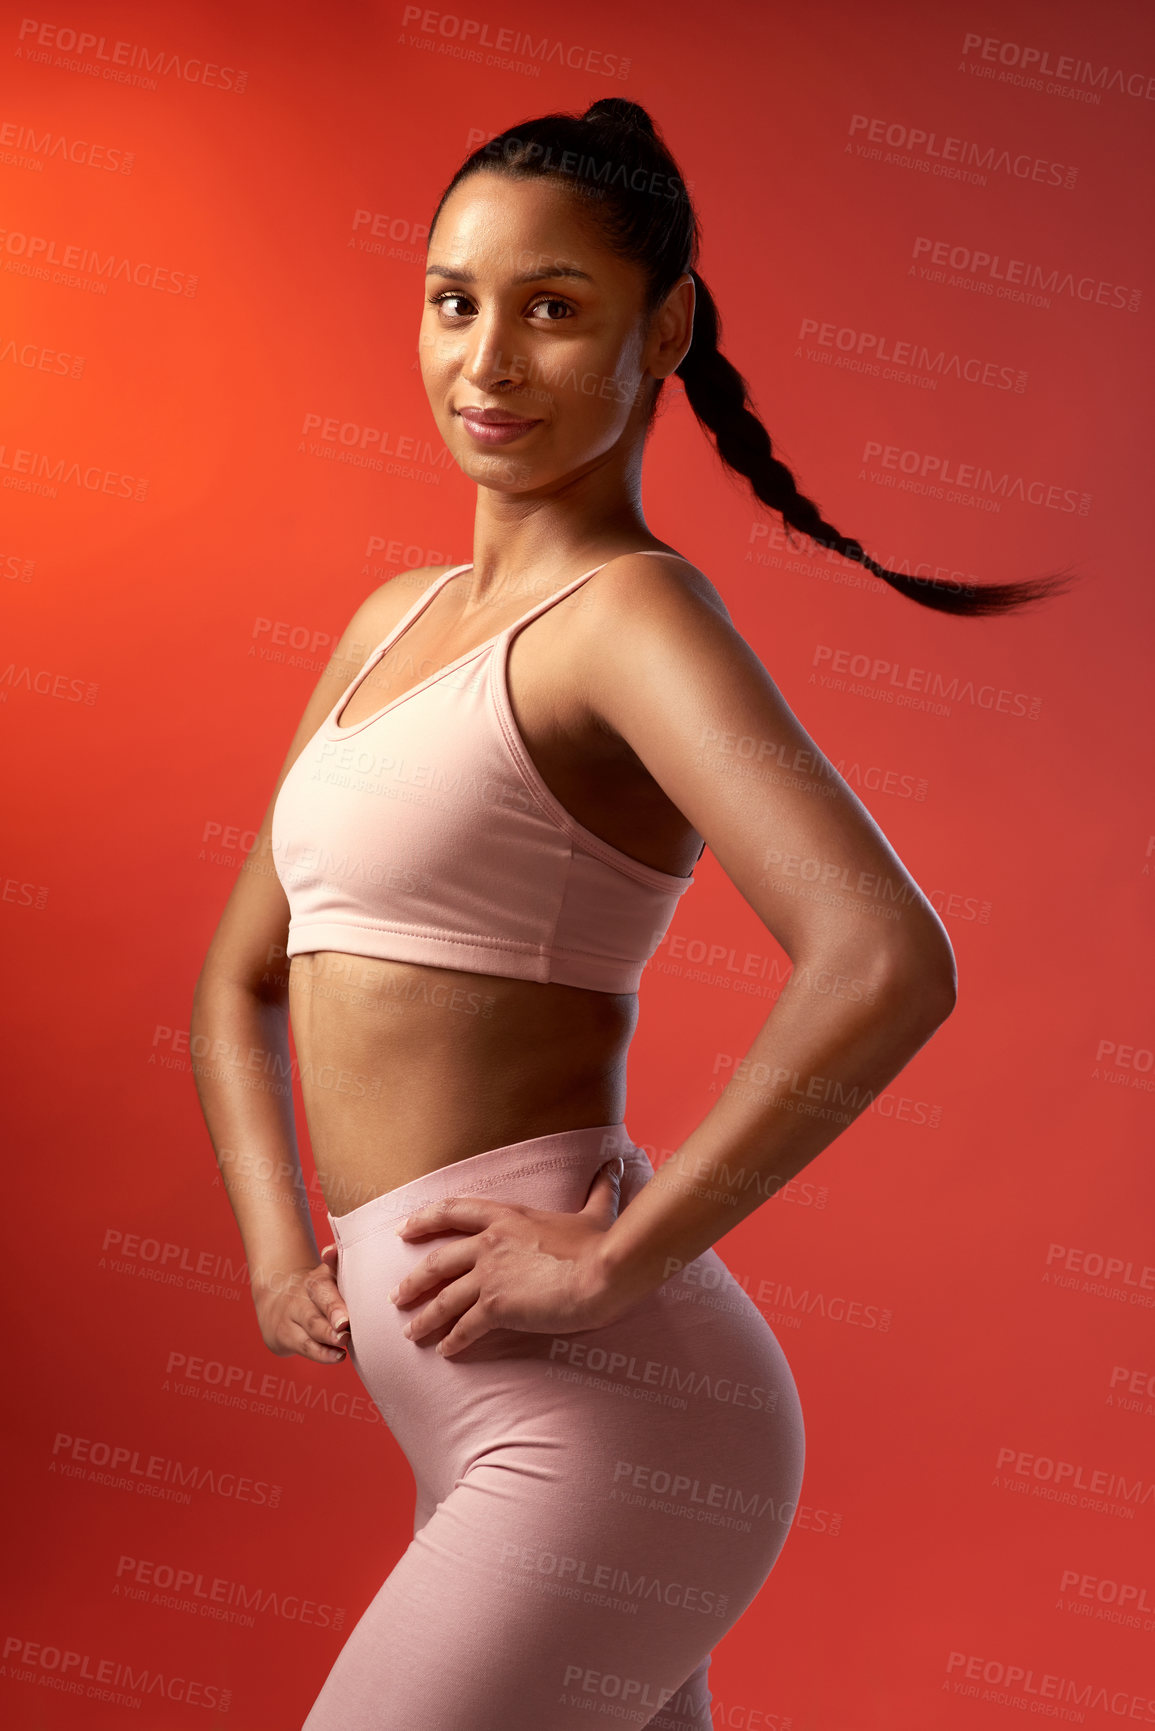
[
  {"x": 560, "y": 594},
  {"x": 410, "y": 616}
]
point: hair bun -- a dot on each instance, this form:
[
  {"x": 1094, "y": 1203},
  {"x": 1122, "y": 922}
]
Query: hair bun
[{"x": 616, "y": 111}]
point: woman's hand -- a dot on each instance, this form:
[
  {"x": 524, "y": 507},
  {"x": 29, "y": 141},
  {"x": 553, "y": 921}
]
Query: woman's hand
[
  {"x": 521, "y": 1268},
  {"x": 301, "y": 1310}
]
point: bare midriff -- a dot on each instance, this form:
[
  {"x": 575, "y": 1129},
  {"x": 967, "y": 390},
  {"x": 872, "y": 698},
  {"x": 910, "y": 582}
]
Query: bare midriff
[{"x": 406, "y": 1068}]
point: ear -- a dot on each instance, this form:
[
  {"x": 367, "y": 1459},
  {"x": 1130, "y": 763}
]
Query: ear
[{"x": 674, "y": 327}]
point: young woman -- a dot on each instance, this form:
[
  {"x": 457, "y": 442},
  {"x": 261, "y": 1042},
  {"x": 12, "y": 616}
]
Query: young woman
[{"x": 477, "y": 845}]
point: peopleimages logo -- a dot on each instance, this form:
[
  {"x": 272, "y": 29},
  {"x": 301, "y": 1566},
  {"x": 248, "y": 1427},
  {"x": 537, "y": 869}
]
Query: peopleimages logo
[
  {"x": 913, "y": 687},
  {"x": 874, "y": 347},
  {"x": 1061, "y": 1480},
  {"x": 35, "y": 145},
  {"x": 1011, "y": 1684},
  {"x": 119, "y": 1682},
  {"x": 121, "y": 62},
  {"x": 177, "y": 1588},
  {"x": 38, "y": 255},
  {"x": 1018, "y": 278},
  {"x": 25, "y": 470},
  {"x": 951, "y": 157},
  {"x": 1036, "y": 64},
  {"x": 125, "y": 1468},
  {"x": 947, "y": 473},
  {"x": 485, "y": 42}
]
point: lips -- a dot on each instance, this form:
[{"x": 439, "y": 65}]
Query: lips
[
  {"x": 495, "y": 418},
  {"x": 496, "y": 426}
]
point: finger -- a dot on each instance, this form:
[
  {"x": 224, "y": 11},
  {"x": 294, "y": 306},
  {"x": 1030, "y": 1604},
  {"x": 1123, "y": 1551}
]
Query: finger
[
  {"x": 322, "y": 1289},
  {"x": 453, "y": 1214},
  {"x": 334, "y": 1308},
  {"x": 605, "y": 1191},
  {"x": 445, "y": 1263},
  {"x": 303, "y": 1343},
  {"x": 446, "y": 1307},
  {"x": 470, "y": 1327},
  {"x": 317, "y": 1326}
]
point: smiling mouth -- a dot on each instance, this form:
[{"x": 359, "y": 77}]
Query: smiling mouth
[
  {"x": 504, "y": 431},
  {"x": 496, "y": 418}
]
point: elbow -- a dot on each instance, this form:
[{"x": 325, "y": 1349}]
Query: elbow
[
  {"x": 924, "y": 982},
  {"x": 941, "y": 974},
  {"x": 940, "y": 993}
]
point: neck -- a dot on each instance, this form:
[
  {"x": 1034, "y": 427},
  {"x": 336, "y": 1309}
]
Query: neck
[{"x": 560, "y": 531}]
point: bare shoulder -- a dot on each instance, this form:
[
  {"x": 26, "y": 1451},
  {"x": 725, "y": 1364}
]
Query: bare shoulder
[
  {"x": 654, "y": 633},
  {"x": 650, "y": 586},
  {"x": 656, "y": 607}
]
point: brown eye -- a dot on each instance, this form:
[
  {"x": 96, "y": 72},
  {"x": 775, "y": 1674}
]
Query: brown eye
[
  {"x": 553, "y": 302},
  {"x": 441, "y": 300}
]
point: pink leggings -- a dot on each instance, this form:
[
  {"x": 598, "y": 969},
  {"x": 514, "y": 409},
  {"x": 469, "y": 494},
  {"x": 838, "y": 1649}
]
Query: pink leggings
[{"x": 594, "y": 1510}]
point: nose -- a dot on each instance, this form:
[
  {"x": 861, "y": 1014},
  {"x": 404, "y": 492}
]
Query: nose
[{"x": 491, "y": 358}]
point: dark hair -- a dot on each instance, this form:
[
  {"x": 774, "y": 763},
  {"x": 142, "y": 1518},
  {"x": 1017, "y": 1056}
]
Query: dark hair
[{"x": 613, "y": 159}]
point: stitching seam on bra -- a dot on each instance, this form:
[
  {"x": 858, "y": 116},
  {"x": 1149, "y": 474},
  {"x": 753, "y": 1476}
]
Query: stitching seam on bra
[
  {"x": 547, "y": 952},
  {"x": 474, "y": 940}
]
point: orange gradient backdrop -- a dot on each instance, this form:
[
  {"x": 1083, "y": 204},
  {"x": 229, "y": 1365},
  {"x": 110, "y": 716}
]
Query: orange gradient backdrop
[{"x": 923, "y": 227}]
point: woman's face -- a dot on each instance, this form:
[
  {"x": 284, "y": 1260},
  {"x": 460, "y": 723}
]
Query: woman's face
[{"x": 527, "y": 311}]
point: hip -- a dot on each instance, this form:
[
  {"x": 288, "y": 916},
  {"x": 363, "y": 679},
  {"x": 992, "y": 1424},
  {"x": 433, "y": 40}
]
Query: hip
[{"x": 694, "y": 1361}]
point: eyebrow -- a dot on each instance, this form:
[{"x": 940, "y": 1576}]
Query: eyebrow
[{"x": 543, "y": 275}]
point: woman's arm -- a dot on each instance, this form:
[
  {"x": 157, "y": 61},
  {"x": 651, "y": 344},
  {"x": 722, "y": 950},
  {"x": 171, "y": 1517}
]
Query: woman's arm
[
  {"x": 873, "y": 969},
  {"x": 240, "y": 1035},
  {"x": 241, "y": 1065},
  {"x": 815, "y": 1064}
]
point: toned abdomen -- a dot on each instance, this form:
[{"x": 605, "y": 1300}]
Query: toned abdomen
[{"x": 406, "y": 1068}]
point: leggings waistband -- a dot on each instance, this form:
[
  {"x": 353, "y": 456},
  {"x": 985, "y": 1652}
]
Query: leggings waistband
[{"x": 590, "y": 1147}]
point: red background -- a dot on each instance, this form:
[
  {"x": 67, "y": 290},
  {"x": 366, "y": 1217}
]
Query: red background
[{"x": 162, "y": 633}]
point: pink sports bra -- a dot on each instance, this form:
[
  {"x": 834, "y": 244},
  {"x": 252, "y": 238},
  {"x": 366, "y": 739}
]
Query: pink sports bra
[{"x": 424, "y": 833}]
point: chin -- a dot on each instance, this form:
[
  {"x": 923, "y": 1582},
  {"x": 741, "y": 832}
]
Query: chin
[{"x": 499, "y": 467}]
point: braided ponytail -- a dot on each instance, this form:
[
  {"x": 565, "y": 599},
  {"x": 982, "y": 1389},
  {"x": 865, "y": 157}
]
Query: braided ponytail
[
  {"x": 612, "y": 154},
  {"x": 719, "y": 397}
]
